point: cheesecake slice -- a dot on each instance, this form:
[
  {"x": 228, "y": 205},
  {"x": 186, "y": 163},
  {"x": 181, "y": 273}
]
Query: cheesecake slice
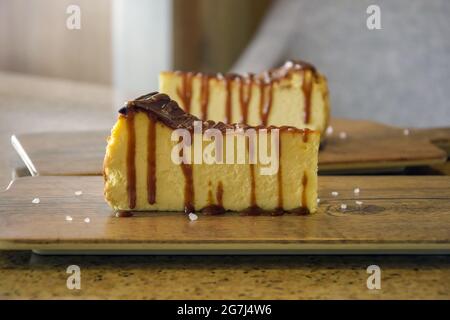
[
  {"x": 293, "y": 95},
  {"x": 151, "y": 164}
]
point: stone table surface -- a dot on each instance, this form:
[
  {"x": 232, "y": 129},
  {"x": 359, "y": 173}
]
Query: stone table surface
[
  {"x": 35, "y": 104},
  {"x": 25, "y": 275}
]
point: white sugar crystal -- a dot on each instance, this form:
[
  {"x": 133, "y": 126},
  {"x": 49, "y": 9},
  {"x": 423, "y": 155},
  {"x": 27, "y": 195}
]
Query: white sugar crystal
[
  {"x": 406, "y": 132},
  {"x": 329, "y": 131},
  {"x": 358, "y": 202},
  {"x": 87, "y": 220},
  {"x": 334, "y": 193},
  {"x": 36, "y": 200},
  {"x": 289, "y": 64},
  {"x": 343, "y": 206},
  {"x": 356, "y": 190},
  {"x": 343, "y": 135},
  {"x": 193, "y": 216},
  {"x": 69, "y": 218},
  {"x": 78, "y": 193}
]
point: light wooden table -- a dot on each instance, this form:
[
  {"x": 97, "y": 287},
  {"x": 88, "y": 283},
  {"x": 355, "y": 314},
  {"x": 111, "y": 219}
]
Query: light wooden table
[{"x": 32, "y": 104}]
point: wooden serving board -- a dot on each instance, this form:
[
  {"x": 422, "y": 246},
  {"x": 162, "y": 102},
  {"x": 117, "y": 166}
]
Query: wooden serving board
[
  {"x": 369, "y": 146},
  {"x": 398, "y": 215}
]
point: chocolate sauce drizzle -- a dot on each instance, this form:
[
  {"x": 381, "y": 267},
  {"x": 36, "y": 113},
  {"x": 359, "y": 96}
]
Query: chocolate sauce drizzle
[
  {"x": 204, "y": 96},
  {"x": 219, "y": 194},
  {"x": 131, "y": 167},
  {"x": 244, "y": 99},
  {"x": 265, "y": 82},
  {"x": 228, "y": 111},
  {"x": 185, "y": 93},
  {"x": 252, "y": 187},
  {"x": 124, "y": 214},
  {"x": 265, "y": 101},
  {"x": 307, "y": 92},
  {"x": 151, "y": 156},
  {"x": 304, "y": 194},
  {"x": 280, "y": 178},
  {"x": 215, "y": 209},
  {"x": 159, "y": 107}
]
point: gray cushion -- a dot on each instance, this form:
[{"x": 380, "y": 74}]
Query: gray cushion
[{"x": 398, "y": 75}]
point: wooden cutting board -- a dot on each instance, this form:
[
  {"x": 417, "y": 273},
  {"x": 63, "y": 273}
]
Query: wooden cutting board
[
  {"x": 368, "y": 146},
  {"x": 398, "y": 215}
]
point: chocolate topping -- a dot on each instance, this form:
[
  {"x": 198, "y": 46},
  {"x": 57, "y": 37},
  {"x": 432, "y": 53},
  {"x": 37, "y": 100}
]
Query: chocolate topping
[
  {"x": 160, "y": 107},
  {"x": 266, "y": 76},
  {"x": 264, "y": 81}
]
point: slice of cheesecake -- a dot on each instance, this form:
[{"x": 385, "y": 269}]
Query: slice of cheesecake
[
  {"x": 147, "y": 167},
  {"x": 293, "y": 95}
]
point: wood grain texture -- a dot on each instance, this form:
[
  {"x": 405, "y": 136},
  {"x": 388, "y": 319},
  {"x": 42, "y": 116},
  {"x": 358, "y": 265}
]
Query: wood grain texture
[
  {"x": 368, "y": 146},
  {"x": 371, "y": 145},
  {"x": 408, "y": 212}
]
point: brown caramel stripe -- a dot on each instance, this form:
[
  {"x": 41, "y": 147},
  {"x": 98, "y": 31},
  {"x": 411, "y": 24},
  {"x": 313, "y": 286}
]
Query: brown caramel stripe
[
  {"x": 205, "y": 96},
  {"x": 252, "y": 186},
  {"x": 307, "y": 93},
  {"x": 304, "y": 194},
  {"x": 244, "y": 99},
  {"x": 219, "y": 194},
  {"x": 151, "y": 162},
  {"x": 228, "y": 111},
  {"x": 280, "y": 177},
  {"x": 185, "y": 92},
  {"x": 131, "y": 167}
]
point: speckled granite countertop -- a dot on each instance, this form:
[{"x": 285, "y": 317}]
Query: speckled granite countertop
[
  {"x": 25, "y": 275},
  {"x": 49, "y": 104}
]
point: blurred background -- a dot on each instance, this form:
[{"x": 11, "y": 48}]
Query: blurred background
[
  {"x": 125, "y": 42},
  {"x": 394, "y": 75}
]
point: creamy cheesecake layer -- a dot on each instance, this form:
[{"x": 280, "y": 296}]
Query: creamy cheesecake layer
[
  {"x": 140, "y": 175},
  {"x": 292, "y": 95}
]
